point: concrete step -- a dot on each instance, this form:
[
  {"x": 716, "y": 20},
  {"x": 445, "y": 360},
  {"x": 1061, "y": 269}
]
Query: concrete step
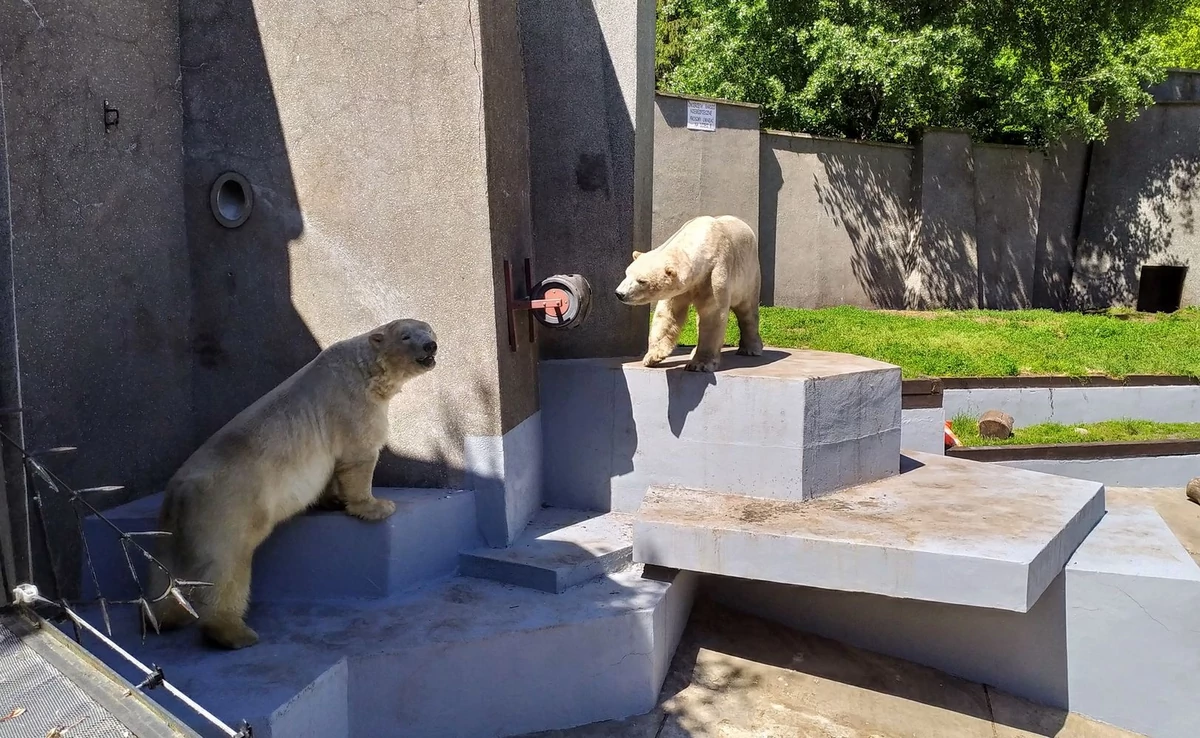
[
  {"x": 1114, "y": 637},
  {"x": 320, "y": 555},
  {"x": 559, "y": 549},
  {"x": 944, "y": 530},
  {"x": 465, "y": 658},
  {"x": 791, "y": 424}
]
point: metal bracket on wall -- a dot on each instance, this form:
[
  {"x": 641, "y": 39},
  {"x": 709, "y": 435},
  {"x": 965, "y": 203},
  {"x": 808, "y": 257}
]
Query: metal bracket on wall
[
  {"x": 112, "y": 117},
  {"x": 561, "y": 301}
]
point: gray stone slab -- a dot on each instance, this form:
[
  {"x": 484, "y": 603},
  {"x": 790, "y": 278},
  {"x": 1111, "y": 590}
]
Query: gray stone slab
[
  {"x": 1146, "y": 471},
  {"x": 1114, "y": 637},
  {"x": 559, "y": 549},
  {"x": 321, "y": 554},
  {"x": 923, "y": 429},
  {"x": 944, "y": 530},
  {"x": 792, "y": 424},
  {"x": 463, "y": 658},
  {"x": 1033, "y": 405}
]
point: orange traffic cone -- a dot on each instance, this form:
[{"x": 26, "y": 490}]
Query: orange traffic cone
[{"x": 951, "y": 439}]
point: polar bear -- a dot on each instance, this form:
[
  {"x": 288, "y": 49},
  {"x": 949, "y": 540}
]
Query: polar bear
[
  {"x": 313, "y": 439},
  {"x": 711, "y": 263}
]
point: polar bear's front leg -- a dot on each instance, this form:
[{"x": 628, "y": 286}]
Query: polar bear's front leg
[
  {"x": 354, "y": 487},
  {"x": 707, "y": 356},
  {"x": 669, "y": 317}
]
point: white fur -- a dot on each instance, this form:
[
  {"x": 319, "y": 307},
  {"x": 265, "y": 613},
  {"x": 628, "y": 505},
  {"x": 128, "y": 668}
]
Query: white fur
[{"x": 711, "y": 263}]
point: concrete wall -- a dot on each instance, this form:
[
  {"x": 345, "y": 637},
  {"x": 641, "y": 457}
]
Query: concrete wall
[
  {"x": 589, "y": 71},
  {"x": 703, "y": 172},
  {"x": 1008, "y": 194},
  {"x": 954, "y": 223},
  {"x": 369, "y": 207},
  {"x": 95, "y": 338},
  {"x": 1142, "y": 198},
  {"x": 834, "y": 221}
]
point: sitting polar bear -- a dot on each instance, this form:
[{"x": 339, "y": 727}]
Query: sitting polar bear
[
  {"x": 313, "y": 439},
  {"x": 711, "y": 263}
]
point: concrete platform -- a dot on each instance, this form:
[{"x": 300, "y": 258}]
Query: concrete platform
[
  {"x": 1113, "y": 638},
  {"x": 466, "y": 658},
  {"x": 737, "y": 676},
  {"x": 321, "y": 555},
  {"x": 559, "y": 549},
  {"x": 944, "y": 530},
  {"x": 792, "y": 424}
]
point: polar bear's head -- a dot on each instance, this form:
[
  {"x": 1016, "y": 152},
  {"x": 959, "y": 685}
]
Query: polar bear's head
[
  {"x": 653, "y": 276},
  {"x": 405, "y": 347}
]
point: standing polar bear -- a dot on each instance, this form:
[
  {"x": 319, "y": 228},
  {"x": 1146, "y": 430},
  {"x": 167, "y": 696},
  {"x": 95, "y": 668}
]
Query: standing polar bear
[
  {"x": 313, "y": 439},
  {"x": 711, "y": 263}
]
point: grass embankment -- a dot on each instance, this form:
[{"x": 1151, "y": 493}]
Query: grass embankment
[
  {"x": 967, "y": 430},
  {"x": 985, "y": 343}
]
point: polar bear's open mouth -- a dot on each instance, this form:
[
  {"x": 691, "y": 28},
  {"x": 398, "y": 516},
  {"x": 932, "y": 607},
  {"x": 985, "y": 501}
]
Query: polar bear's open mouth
[{"x": 428, "y": 362}]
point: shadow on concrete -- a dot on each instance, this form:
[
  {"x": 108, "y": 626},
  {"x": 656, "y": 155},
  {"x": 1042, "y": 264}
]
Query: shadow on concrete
[
  {"x": 582, "y": 154},
  {"x": 1140, "y": 206},
  {"x": 685, "y": 390},
  {"x": 1027, "y": 649},
  {"x": 867, "y": 196}
]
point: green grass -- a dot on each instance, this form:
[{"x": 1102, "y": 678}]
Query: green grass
[
  {"x": 983, "y": 343},
  {"x": 967, "y": 430}
]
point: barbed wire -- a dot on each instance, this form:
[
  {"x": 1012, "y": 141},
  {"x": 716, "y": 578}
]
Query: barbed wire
[{"x": 28, "y": 595}]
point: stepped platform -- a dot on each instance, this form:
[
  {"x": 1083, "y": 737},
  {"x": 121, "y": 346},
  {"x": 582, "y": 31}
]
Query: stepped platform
[
  {"x": 791, "y": 424},
  {"x": 1113, "y": 638},
  {"x": 326, "y": 552},
  {"x": 558, "y": 549},
  {"x": 462, "y": 658},
  {"x": 944, "y": 530}
]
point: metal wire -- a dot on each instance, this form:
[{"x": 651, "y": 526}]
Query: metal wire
[{"x": 27, "y": 594}]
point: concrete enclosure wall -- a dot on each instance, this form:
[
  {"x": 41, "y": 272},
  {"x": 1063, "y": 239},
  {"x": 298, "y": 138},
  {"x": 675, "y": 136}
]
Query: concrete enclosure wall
[
  {"x": 396, "y": 154},
  {"x": 703, "y": 172},
  {"x": 951, "y": 222}
]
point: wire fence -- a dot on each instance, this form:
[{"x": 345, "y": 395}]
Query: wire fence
[{"x": 40, "y": 480}]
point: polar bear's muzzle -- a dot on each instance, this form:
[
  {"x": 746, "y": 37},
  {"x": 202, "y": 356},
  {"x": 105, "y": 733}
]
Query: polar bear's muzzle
[{"x": 429, "y": 360}]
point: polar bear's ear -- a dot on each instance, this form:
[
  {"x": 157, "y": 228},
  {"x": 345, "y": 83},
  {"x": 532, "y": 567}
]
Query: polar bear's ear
[
  {"x": 636, "y": 254},
  {"x": 376, "y": 338},
  {"x": 670, "y": 271}
]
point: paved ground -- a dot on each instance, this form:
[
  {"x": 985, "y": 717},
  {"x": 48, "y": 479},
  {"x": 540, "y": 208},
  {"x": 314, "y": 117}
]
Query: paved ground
[{"x": 736, "y": 676}]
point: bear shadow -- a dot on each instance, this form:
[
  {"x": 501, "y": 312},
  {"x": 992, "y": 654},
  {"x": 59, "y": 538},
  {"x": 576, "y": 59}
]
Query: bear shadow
[{"x": 686, "y": 390}]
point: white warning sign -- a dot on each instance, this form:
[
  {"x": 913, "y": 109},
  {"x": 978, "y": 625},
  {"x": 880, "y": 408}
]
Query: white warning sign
[{"x": 702, "y": 116}]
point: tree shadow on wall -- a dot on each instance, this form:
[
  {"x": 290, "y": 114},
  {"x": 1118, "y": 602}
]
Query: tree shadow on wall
[
  {"x": 1008, "y": 195},
  {"x": 1142, "y": 195}
]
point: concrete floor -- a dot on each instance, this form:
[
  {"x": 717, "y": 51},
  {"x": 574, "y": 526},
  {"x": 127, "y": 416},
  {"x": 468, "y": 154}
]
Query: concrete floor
[{"x": 736, "y": 676}]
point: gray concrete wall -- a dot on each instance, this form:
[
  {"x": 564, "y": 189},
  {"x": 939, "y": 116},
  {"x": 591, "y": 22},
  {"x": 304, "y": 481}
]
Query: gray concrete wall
[
  {"x": 1149, "y": 471},
  {"x": 703, "y": 172},
  {"x": 369, "y": 207},
  {"x": 95, "y": 336},
  {"x": 1142, "y": 197},
  {"x": 1181, "y": 85},
  {"x": 1064, "y": 174},
  {"x": 834, "y": 218},
  {"x": 589, "y": 70},
  {"x": 1033, "y": 405},
  {"x": 945, "y": 250},
  {"x": 1008, "y": 194}
]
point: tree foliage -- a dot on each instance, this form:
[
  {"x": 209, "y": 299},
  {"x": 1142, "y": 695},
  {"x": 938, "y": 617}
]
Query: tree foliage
[
  {"x": 1181, "y": 41},
  {"x": 1017, "y": 71}
]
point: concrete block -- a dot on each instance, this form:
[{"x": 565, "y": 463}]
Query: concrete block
[
  {"x": 320, "y": 554},
  {"x": 923, "y": 429},
  {"x": 944, "y": 530},
  {"x": 1145, "y": 471},
  {"x": 465, "y": 658},
  {"x": 505, "y": 473},
  {"x": 791, "y": 424},
  {"x": 1113, "y": 638},
  {"x": 560, "y": 549},
  {"x": 1033, "y": 405}
]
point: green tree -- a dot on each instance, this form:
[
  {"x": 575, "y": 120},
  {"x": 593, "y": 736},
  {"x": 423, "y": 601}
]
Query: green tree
[
  {"x": 1181, "y": 41},
  {"x": 1017, "y": 71}
]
